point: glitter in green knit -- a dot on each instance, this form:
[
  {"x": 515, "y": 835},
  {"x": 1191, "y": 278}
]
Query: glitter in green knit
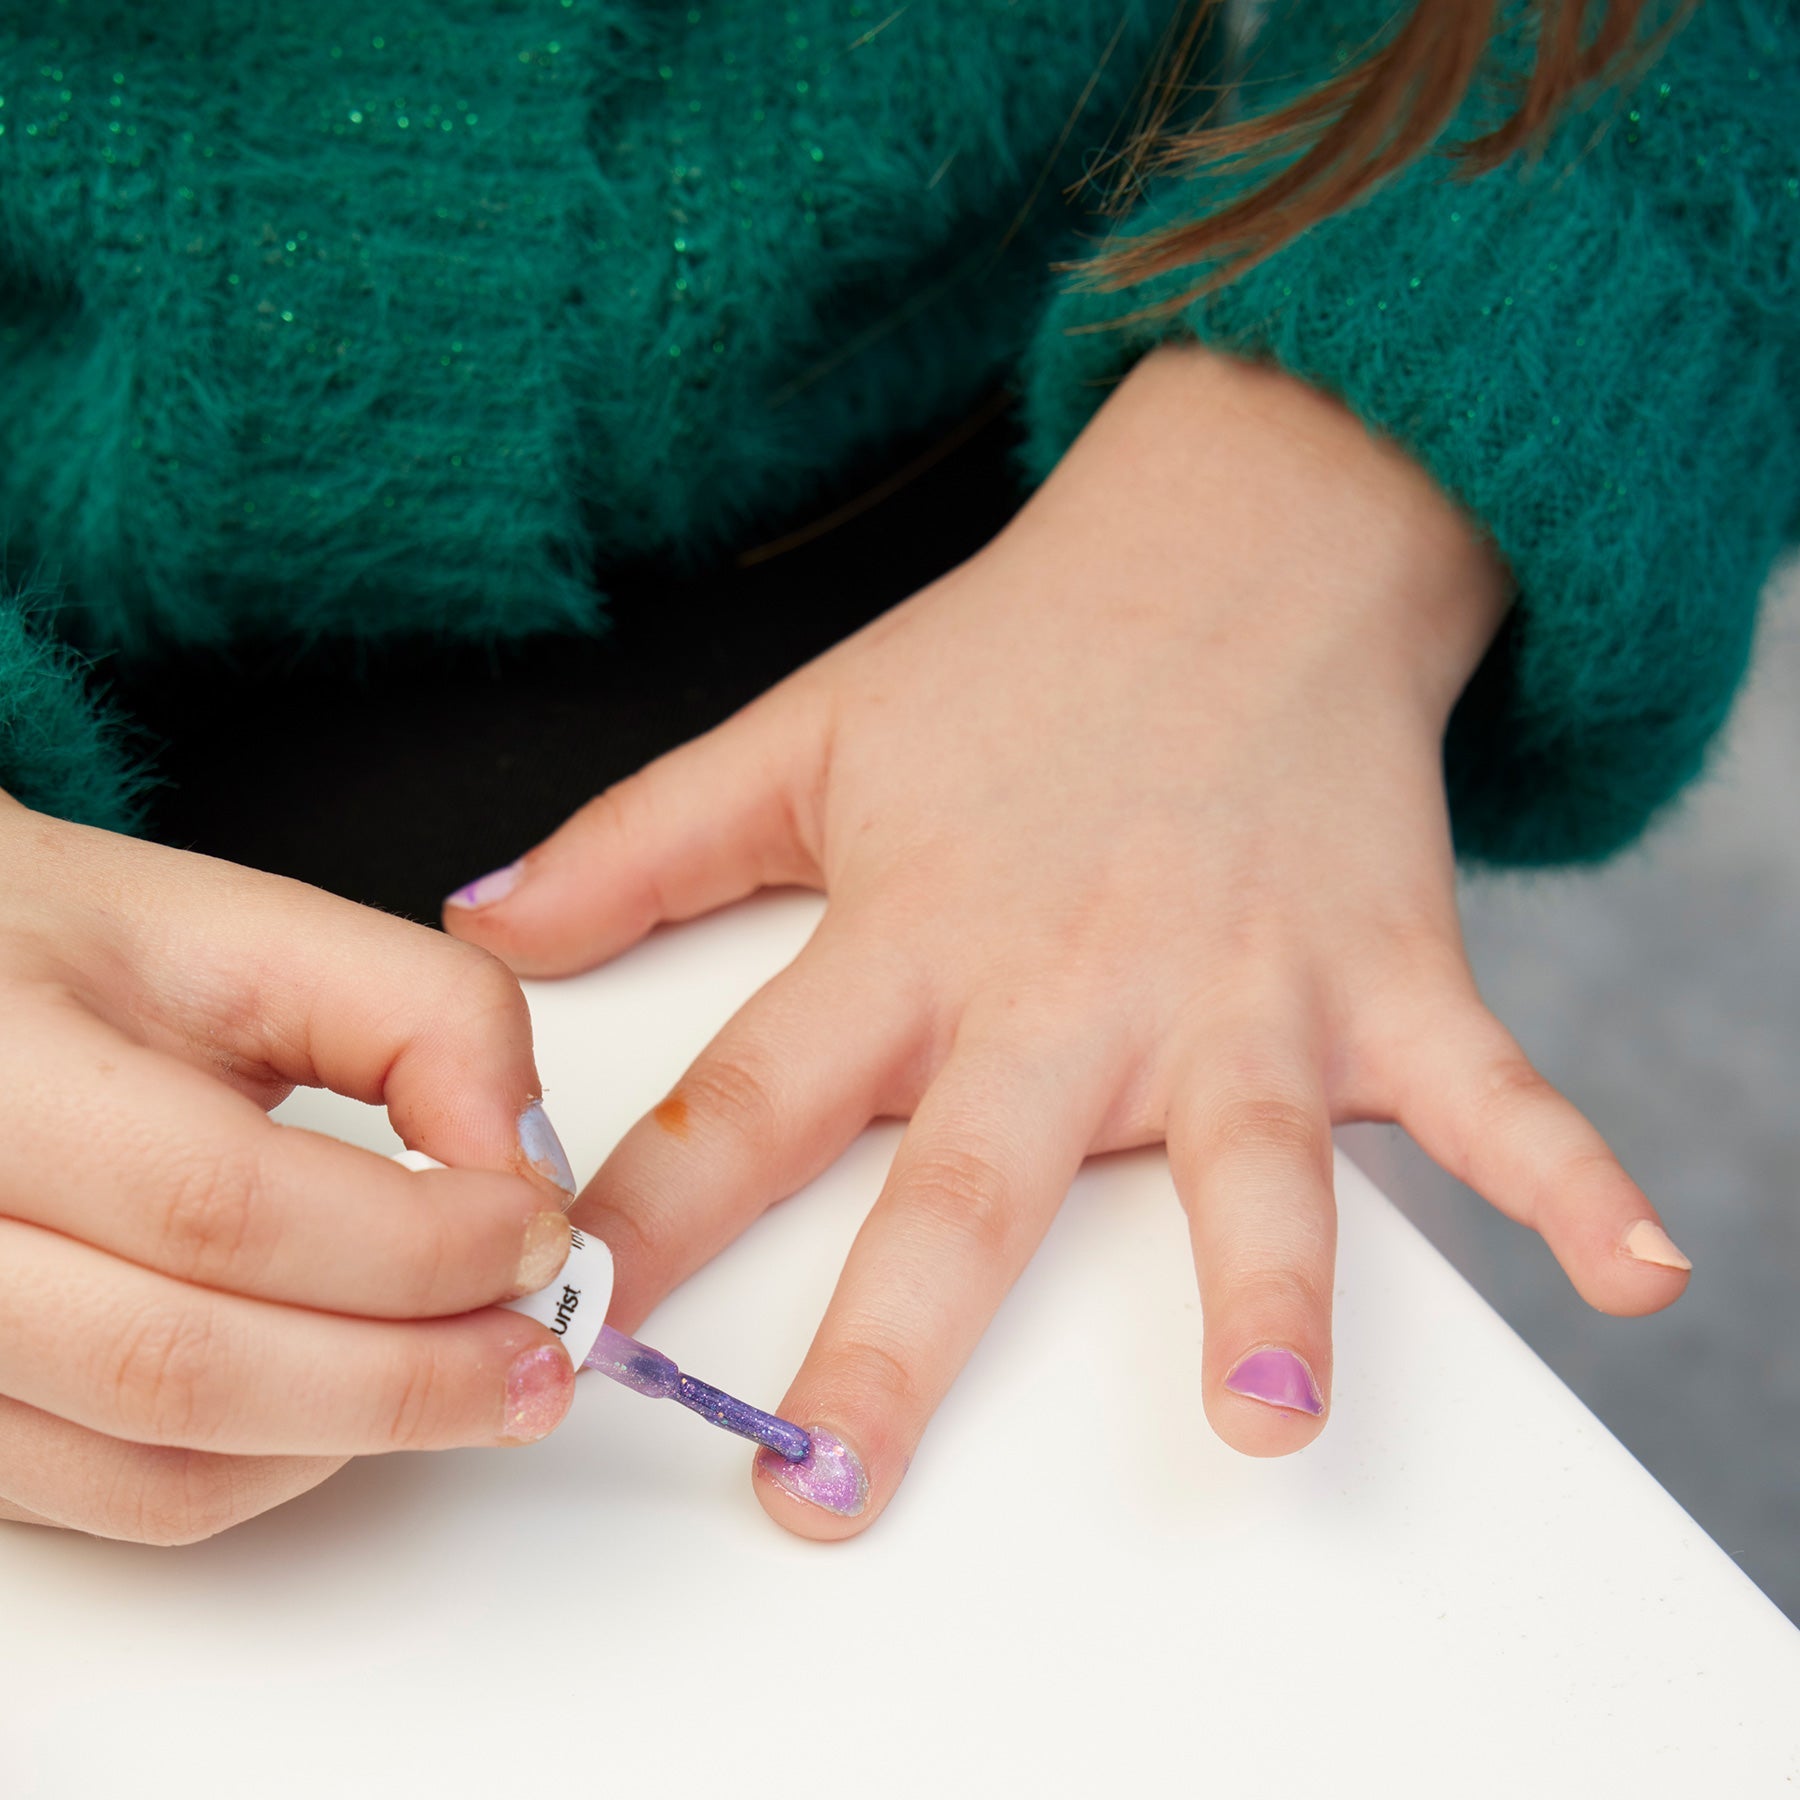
[{"x": 415, "y": 315}]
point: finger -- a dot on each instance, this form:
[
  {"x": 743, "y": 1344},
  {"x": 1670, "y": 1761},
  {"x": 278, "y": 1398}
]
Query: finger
[
  {"x": 772, "y": 1100},
  {"x": 141, "y": 1356},
  {"x": 55, "y": 1473},
  {"x": 1471, "y": 1098},
  {"x": 710, "y": 822},
  {"x": 18, "y": 1515},
  {"x": 268, "y": 982},
  {"x": 979, "y": 1176},
  {"x": 181, "y": 1174},
  {"x": 1249, "y": 1139}
]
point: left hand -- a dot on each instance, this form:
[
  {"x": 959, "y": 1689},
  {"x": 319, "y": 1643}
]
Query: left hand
[{"x": 1133, "y": 828}]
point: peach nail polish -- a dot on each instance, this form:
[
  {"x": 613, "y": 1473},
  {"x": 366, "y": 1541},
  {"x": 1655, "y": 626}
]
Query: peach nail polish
[
  {"x": 539, "y": 1386},
  {"x": 1647, "y": 1242},
  {"x": 544, "y": 1251}
]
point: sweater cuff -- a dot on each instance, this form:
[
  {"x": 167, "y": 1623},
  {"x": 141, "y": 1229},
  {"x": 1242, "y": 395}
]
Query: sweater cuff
[
  {"x": 62, "y": 751},
  {"x": 1596, "y": 382}
]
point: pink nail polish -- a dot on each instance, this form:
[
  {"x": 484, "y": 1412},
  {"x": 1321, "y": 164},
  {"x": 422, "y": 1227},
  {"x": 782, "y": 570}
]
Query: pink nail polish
[
  {"x": 539, "y": 1386},
  {"x": 486, "y": 889},
  {"x": 830, "y": 1475},
  {"x": 1277, "y": 1378}
]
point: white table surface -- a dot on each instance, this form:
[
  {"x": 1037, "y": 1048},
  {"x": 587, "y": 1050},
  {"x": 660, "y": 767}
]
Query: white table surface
[{"x": 1467, "y": 1587}]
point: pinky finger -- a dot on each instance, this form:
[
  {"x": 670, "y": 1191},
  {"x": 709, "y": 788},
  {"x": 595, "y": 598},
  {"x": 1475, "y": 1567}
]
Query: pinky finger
[
  {"x": 1475, "y": 1104},
  {"x": 54, "y": 1472}
]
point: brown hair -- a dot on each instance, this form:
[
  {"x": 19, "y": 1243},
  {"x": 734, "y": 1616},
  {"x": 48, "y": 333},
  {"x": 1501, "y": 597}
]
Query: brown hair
[{"x": 1353, "y": 131}]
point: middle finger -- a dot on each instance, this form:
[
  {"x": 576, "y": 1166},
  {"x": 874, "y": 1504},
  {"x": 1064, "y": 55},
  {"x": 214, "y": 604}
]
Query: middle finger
[{"x": 138, "y": 1355}]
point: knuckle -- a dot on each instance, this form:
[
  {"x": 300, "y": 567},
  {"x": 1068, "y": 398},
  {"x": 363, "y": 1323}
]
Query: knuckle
[
  {"x": 734, "y": 1090},
  {"x": 418, "y": 1280},
  {"x": 209, "y": 1211},
  {"x": 1511, "y": 1083},
  {"x": 484, "y": 987},
  {"x": 859, "y": 1366},
  {"x": 641, "y": 1233},
  {"x": 963, "y": 1193},
  {"x": 159, "y": 1375},
  {"x": 1276, "y": 1292},
  {"x": 1268, "y": 1124},
  {"x": 610, "y": 812},
  {"x": 416, "y": 1407},
  {"x": 1573, "y": 1184},
  {"x": 178, "y": 1497}
]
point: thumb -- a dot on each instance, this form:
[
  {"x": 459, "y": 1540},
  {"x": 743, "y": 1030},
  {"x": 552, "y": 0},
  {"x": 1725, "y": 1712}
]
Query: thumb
[{"x": 706, "y": 824}]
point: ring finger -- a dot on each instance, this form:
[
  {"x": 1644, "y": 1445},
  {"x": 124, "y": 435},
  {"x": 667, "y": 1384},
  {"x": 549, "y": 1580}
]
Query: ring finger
[
  {"x": 53, "y": 1472},
  {"x": 1250, "y": 1147}
]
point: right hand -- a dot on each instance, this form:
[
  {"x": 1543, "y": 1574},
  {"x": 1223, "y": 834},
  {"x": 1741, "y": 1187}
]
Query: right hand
[{"x": 204, "y": 1313}]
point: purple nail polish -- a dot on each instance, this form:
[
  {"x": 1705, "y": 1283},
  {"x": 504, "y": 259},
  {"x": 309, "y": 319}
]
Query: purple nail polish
[
  {"x": 1277, "y": 1378},
  {"x": 828, "y": 1476},
  {"x": 486, "y": 889}
]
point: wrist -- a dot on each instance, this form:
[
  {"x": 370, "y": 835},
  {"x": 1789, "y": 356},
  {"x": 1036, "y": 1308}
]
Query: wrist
[{"x": 1231, "y": 469}]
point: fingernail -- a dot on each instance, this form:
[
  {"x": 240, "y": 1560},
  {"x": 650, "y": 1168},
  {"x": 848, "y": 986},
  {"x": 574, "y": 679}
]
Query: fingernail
[
  {"x": 539, "y": 1387},
  {"x": 1277, "y": 1378},
  {"x": 1647, "y": 1242},
  {"x": 543, "y": 1149},
  {"x": 829, "y": 1475},
  {"x": 486, "y": 889},
  {"x": 545, "y": 1250}
]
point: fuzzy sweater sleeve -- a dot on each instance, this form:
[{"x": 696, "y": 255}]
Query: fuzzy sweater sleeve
[
  {"x": 1598, "y": 356},
  {"x": 61, "y": 750}
]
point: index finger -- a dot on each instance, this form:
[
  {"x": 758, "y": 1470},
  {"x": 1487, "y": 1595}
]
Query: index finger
[
  {"x": 283, "y": 982},
  {"x": 980, "y": 1174},
  {"x": 178, "y": 1173}
]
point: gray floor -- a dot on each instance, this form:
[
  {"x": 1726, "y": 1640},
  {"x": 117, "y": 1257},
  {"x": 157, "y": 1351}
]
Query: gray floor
[{"x": 1663, "y": 995}]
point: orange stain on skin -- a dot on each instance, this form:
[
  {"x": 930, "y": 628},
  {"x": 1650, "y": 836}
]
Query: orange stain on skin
[{"x": 672, "y": 1116}]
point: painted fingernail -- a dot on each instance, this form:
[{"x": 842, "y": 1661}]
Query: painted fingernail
[
  {"x": 828, "y": 1476},
  {"x": 539, "y": 1386},
  {"x": 486, "y": 889},
  {"x": 545, "y": 1250},
  {"x": 1277, "y": 1378},
  {"x": 1647, "y": 1242},
  {"x": 543, "y": 1149}
]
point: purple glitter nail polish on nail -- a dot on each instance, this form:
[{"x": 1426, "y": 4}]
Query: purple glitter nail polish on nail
[
  {"x": 829, "y": 1476},
  {"x": 1277, "y": 1378}
]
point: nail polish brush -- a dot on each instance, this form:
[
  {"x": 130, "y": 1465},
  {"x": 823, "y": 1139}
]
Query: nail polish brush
[
  {"x": 574, "y": 1307},
  {"x": 650, "y": 1373}
]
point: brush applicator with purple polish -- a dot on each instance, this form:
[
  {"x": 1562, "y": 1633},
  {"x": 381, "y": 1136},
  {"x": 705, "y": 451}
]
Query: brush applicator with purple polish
[
  {"x": 650, "y": 1373},
  {"x": 580, "y": 1294}
]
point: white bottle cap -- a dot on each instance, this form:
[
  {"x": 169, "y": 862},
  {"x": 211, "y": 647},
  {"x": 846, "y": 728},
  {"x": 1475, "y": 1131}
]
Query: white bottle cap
[{"x": 574, "y": 1304}]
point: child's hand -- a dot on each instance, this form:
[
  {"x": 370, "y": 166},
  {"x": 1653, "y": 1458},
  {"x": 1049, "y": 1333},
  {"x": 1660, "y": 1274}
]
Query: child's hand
[
  {"x": 1133, "y": 828},
  {"x": 203, "y": 1313}
]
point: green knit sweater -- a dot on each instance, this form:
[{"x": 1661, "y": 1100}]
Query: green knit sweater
[{"x": 361, "y": 318}]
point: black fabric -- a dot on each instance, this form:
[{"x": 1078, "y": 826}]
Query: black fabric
[{"x": 393, "y": 775}]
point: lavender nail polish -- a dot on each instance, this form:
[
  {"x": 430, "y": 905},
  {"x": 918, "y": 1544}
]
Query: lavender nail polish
[
  {"x": 1277, "y": 1378},
  {"x": 828, "y": 1476},
  {"x": 543, "y": 1148},
  {"x": 486, "y": 889}
]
